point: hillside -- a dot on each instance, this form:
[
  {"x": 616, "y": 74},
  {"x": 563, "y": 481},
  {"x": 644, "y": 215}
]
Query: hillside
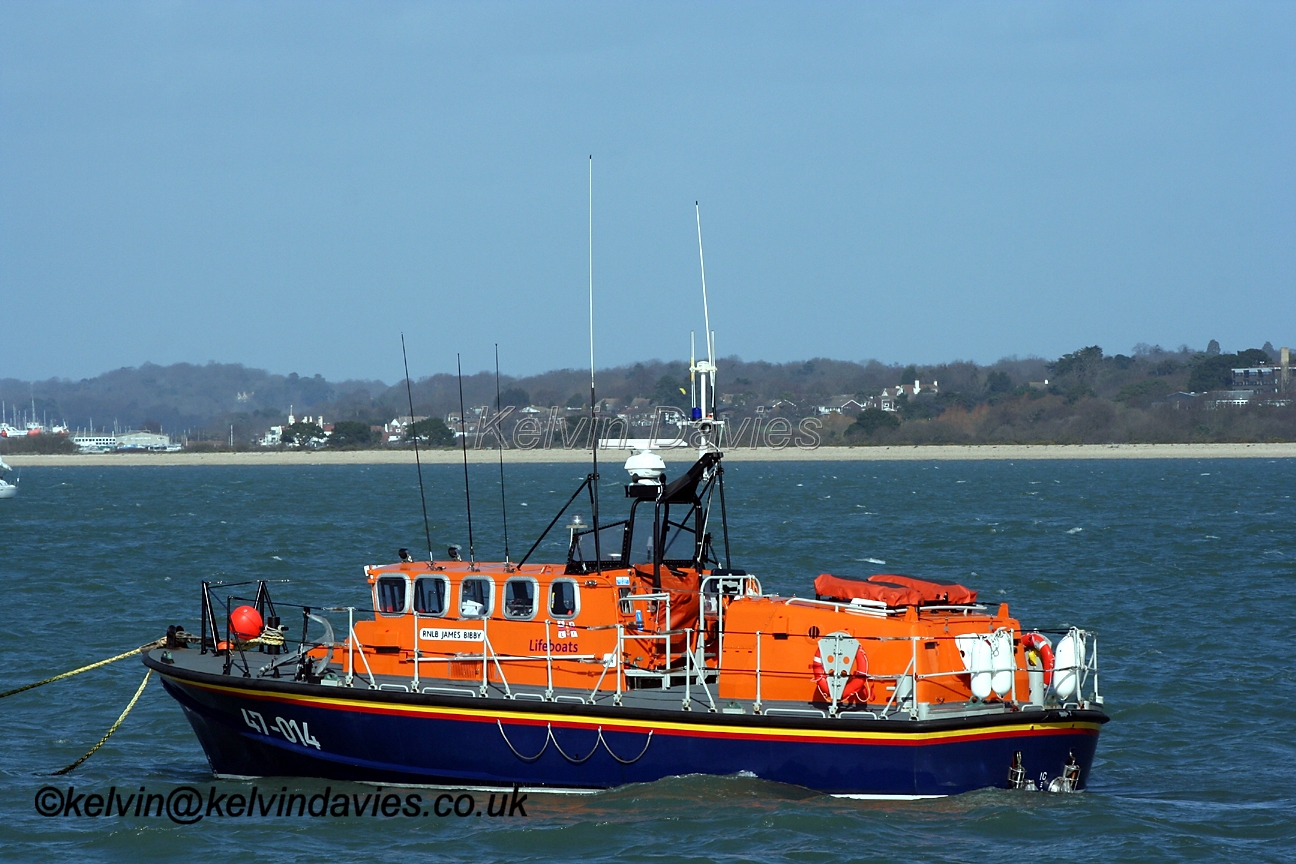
[{"x": 1090, "y": 397}]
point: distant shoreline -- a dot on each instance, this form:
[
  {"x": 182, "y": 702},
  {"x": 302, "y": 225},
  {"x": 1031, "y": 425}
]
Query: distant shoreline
[{"x": 999, "y": 452}]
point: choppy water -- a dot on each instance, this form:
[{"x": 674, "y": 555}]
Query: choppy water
[{"x": 1186, "y": 568}]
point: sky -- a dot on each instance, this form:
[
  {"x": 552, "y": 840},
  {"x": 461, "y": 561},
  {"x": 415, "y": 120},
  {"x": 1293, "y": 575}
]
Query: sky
[{"x": 293, "y": 185}]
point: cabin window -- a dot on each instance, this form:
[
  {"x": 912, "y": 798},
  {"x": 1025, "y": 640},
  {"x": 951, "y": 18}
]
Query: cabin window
[
  {"x": 639, "y": 547},
  {"x": 563, "y": 598},
  {"x": 520, "y": 598},
  {"x": 430, "y": 595},
  {"x": 390, "y": 594},
  {"x": 476, "y": 597}
]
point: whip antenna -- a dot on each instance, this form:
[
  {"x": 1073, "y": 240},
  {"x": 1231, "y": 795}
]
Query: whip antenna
[
  {"x": 598, "y": 552},
  {"x": 706, "y": 313},
  {"x": 409, "y": 392},
  {"x": 503, "y": 503},
  {"x": 463, "y": 439}
]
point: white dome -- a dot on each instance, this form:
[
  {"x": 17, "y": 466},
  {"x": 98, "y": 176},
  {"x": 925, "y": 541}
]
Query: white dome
[{"x": 646, "y": 467}]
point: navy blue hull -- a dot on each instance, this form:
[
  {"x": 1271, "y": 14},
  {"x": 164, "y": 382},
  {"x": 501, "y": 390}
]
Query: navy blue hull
[{"x": 263, "y": 728}]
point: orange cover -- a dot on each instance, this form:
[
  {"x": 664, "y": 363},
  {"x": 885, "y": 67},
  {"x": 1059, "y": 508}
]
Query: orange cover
[
  {"x": 932, "y": 591},
  {"x": 845, "y": 588}
]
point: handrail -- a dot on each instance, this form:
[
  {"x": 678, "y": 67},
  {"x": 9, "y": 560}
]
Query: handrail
[{"x": 364, "y": 659}]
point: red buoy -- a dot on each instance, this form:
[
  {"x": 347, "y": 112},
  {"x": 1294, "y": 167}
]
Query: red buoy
[{"x": 245, "y": 622}]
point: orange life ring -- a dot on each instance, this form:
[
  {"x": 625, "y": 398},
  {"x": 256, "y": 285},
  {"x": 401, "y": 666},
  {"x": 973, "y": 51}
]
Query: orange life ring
[
  {"x": 858, "y": 689},
  {"x": 1040, "y": 643}
]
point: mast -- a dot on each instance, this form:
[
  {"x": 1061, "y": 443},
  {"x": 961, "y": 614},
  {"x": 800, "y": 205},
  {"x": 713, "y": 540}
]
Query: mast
[
  {"x": 503, "y": 503},
  {"x": 409, "y": 392},
  {"x": 463, "y": 438},
  {"x": 598, "y": 552}
]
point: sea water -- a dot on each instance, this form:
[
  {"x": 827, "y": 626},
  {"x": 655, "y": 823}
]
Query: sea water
[{"x": 1186, "y": 569}]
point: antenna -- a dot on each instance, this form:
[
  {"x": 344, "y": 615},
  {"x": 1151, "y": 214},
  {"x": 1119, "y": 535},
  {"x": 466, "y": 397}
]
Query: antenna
[
  {"x": 706, "y": 313},
  {"x": 598, "y": 552},
  {"x": 409, "y": 392},
  {"x": 692, "y": 368},
  {"x": 704, "y": 408},
  {"x": 503, "y": 504},
  {"x": 463, "y": 439}
]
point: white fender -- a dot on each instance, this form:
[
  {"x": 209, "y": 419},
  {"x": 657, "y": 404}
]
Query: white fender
[
  {"x": 965, "y": 641},
  {"x": 982, "y": 663},
  {"x": 1068, "y": 658},
  {"x": 1001, "y": 646}
]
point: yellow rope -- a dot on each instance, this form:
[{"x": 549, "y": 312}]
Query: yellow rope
[
  {"x": 112, "y": 728},
  {"x": 158, "y": 643}
]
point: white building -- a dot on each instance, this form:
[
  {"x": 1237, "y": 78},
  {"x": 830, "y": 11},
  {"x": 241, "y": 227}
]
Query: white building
[
  {"x": 91, "y": 443},
  {"x": 144, "y": 441}
]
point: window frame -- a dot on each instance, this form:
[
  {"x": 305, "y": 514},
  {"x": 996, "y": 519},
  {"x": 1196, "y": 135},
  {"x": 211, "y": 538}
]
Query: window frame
[
  {"x": 409, "y": 594},
  {"x": 430, "y": 577},
  {"x": 490, "y": 598},
  {"x": 535, "y": 597},
  {"x": 576, "y": 601}
]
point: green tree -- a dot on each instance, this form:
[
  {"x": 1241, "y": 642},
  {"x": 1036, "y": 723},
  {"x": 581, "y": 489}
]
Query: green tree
[
  {"x": 351, "y": 434},
  {"x": 1212, "y": 373},
  {"x": 869, "y": 421},
  {"x": 302, "y": 434},
  {"x": 998, "y": 382},
  {"x": 433, "y": 432},
  {"x": 516, "y": 397},
  {"x": 670, "y": 391},
  {"x": 1080, "y": 363},
  {"x": 1143, "y": 393},
  {"x": 1253, "y": 357},
  {"x": 909, "y": 374}
]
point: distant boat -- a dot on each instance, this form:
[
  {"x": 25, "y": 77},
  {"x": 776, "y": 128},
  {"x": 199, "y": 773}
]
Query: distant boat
[{"x": 7, "y": 490}]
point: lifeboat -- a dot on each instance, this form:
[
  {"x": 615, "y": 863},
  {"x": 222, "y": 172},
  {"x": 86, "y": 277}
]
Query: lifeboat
[
  {"x": 643, "y": 655},
  {"x": 646, "y": 652}
]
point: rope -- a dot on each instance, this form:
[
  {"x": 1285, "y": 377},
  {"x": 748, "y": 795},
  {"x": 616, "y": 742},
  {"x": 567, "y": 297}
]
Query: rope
[
  {"x": 626, "y": 761},
  {"x": 111, "y": 729},
  {"x": 550, "y": 739},
  {"x": 543, "y": 748},
  {"x": 269, "y": 636},
  {"x": 593, "y": 749},
  {"x": 157, "y": 643}
]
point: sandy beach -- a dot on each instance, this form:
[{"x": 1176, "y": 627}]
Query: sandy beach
[{"x": 1012, "y": 452}]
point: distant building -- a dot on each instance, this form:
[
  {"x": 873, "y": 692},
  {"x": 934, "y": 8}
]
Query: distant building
[
  {"x": 393, "y": 432},
  {"x": 95, "y": 443},
  {"x": 842, "y": 405},
  {"x": 889, "y": 397},
  {"x": 144, "y": 441},
  {"x": 1256, "y": 377}
]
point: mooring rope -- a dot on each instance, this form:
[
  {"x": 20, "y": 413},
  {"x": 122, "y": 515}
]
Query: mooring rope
[
  {"x": 157, "y": 643},
  {"x": 111, "y": 729}
]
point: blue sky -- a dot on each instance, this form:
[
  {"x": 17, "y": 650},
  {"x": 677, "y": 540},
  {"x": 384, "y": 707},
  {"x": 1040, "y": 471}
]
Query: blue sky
[{"x": 292, "y": 185}]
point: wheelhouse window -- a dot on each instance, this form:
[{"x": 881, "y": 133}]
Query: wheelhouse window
[
  {"x": 563, "y": 598},
  {"x": 520, "y": 598},
  {"x": 476, "y": 597},
  {"x": 430, "y": 595},
  {"x": 390, "y": 593}
]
